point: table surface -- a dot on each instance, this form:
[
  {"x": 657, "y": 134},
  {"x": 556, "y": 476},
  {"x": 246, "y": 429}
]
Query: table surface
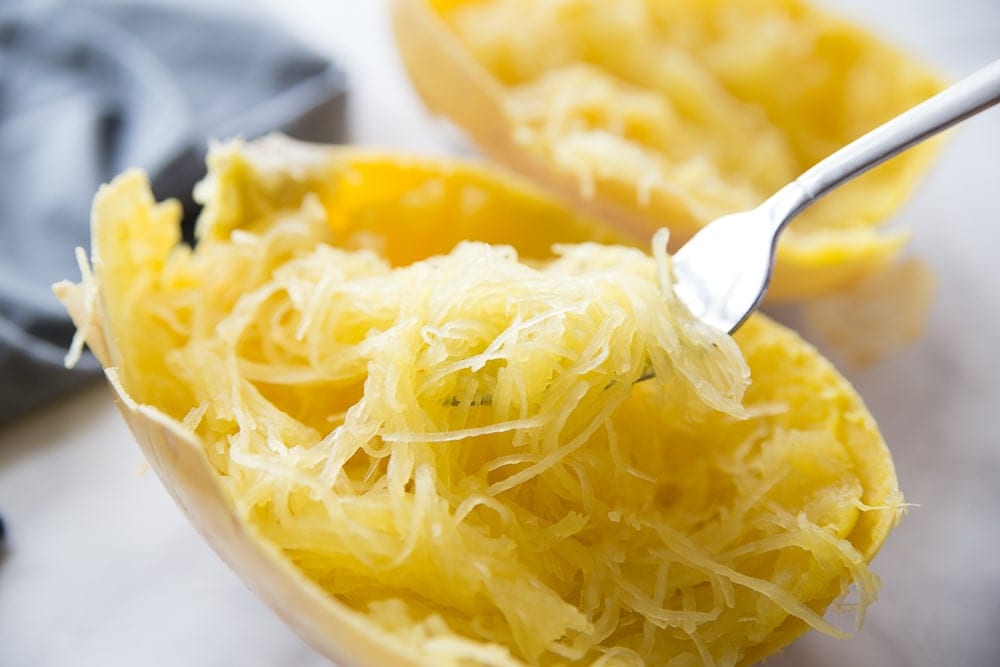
[{"x": 102, "y": 568}]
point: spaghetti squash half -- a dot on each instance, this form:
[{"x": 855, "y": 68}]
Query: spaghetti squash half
[
  {"x": 654, "y": 113},
  {"x": 412, "y": 422}
]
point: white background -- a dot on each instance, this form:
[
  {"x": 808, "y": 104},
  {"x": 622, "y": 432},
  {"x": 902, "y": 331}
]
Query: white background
[{"x": 103, "y": 570}]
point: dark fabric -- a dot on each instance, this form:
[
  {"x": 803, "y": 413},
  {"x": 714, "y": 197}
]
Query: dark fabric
[{"x": 89, "y": 88}]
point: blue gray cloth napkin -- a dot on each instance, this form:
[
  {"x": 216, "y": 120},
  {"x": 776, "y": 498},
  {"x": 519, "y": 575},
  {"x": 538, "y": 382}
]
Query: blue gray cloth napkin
[{"x": 89, "y": 88}]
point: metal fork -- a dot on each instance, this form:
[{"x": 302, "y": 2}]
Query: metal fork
[{"x": 723, "y": 271}]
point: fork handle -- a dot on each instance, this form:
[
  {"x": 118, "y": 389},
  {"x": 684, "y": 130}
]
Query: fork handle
[{"x": 976, "y": 92}]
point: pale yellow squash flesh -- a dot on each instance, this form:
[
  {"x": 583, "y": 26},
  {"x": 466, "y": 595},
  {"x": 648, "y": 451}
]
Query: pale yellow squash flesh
[
  {"x": 652, "y": 113},
  {"x": 728, "y": 529}
]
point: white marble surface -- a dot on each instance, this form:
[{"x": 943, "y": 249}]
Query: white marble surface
[{"x": 102, "y": 569}]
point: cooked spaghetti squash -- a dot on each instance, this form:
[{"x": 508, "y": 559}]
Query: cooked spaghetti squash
[
  {"x": 415, "y": 425},
  {"x": 672, "y": 113}
]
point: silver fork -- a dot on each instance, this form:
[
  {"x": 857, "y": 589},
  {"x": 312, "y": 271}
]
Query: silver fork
[{"x": 723, "y": 271}]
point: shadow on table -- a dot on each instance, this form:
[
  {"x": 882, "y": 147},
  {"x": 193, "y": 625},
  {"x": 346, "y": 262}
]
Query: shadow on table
[
  {"x": 3, "y": 542},
  {"x": 49, "y": 426}
]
